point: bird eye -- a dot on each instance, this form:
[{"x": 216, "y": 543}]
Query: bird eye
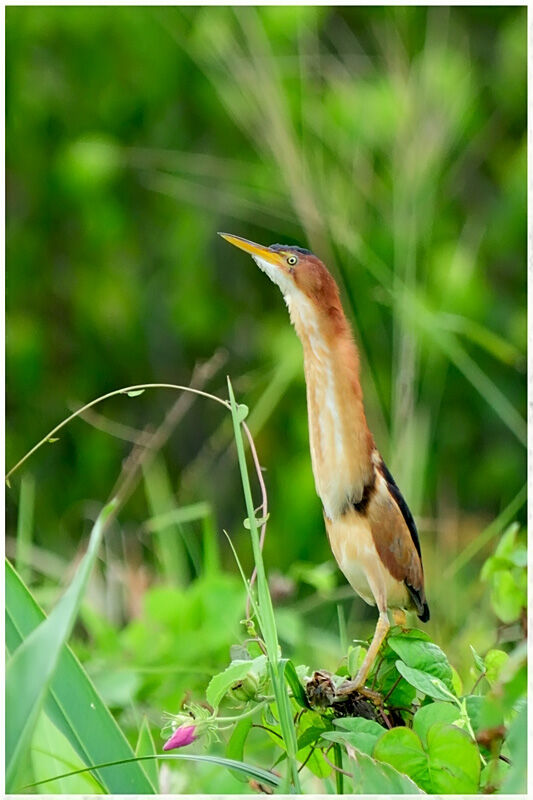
[{"x": 292, "y": 260}]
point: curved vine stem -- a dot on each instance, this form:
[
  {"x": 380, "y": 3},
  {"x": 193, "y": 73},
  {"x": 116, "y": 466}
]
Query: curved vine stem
[{"x": 127, "y": 390}]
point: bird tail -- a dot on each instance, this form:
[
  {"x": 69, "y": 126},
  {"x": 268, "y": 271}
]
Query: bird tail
[{"x": 419, "y": 600}]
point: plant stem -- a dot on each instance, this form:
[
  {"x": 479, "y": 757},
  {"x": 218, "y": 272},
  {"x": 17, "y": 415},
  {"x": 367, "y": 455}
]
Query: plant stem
[{"x": 267, "y": 620}]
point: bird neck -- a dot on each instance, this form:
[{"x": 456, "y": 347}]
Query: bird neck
[{"x": 341, "y": 444}]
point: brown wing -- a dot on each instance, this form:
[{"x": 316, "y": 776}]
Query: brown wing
[{"x": 396, "y": 538}]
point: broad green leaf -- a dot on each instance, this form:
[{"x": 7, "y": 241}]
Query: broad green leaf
[
  {"x": 313, "y": 724},
  {"x": 507, "y": 541},
  {"x": 221, "y": 683},
  {"x": 354, "y": 659},
  {"x": 449, "y": 764},
  {"x": 146, "y": 747},
  {"x": 310, "y": 736},
  {"x": 375, "y": 777},
  {"x": 72, "y": 703},
  {"x": 516, "y": 779},
  {"x": 508, "y": 595},
  {"x": 454, "y": 761},
  {"x": 428, "y": 684},
  {"x": 457, "y": 683},
  {"x": 495, "y": 660},
  {"x": 474, "y": 704},
  {"x": 428, "y": 715},
  {"x": 359, "y": 732},
  {"x": 51, "y": 753},
  {"x": 31, "y": 668},
  {"x": 402, "y": 749},
  {"x": 399, "y": 693},
  {"x": 422, "y": 655},
  {"x": 235, "y": 746}
]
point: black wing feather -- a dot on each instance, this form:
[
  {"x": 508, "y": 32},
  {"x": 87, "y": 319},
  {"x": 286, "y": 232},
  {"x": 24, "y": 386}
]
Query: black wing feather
[{"x": 420, "y": 601}]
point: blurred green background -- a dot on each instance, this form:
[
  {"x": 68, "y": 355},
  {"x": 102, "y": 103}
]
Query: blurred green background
[{"x": 392, "y": 142}]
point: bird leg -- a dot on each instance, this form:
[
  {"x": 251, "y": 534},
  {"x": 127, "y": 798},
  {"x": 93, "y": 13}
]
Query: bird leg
[{"x": 381, "y": 631}]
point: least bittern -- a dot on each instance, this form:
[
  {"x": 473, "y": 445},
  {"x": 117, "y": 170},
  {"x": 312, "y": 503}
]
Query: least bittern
[{"x": 371, "y": 531}]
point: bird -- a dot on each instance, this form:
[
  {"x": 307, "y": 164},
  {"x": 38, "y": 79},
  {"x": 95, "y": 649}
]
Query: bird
[{"x": 370, "y": 528}]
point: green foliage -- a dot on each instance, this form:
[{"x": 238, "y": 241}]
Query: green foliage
[
  {"x": 392, "y": 142},
  {"x": 72, "y": 706},
  {"x": 32, "y": 666},
  {"x": 506, "y": 575}
]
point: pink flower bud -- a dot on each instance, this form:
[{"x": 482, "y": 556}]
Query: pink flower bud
[{"x": 181, "y": 737}]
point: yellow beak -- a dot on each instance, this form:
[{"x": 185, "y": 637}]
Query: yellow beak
[{"x": 254, "y": 249}]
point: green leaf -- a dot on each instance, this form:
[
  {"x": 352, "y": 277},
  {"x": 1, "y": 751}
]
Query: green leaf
[
  {"x": 31, "y": 668},
  {"x": 235, "y": 746},
  {"x": 298, "y": 691},
  {"x": 428, "y": 715},
  {"x": 449, "y": 764},
  {"x": 221, "y": 683},
  {"x": 310, "y": 736},
  {"x": 454, "y": 761},
  {"x": 259, "y": 521},
  {"x": 354, "y": 659},
  {"x": 474, "y": 704},
  {"x": 51, "y": 753},
  {"x": 478, "y": 661},
  {"x": 375, "y": 777},
  {"x": 241, "y": 412},
  {"x": 360, "y": 733},
  {"x": 399, "y": 694},
  {"x": 516, "y": 779},
  {"x": 495, "y": 661},
  {"x": 508, "y": 596},
  {"x": 424, "y": 656},
  {"x": 146, "y": 747},
  {"x": 428, "y": 684},
  {"x": 402, "y": 749},
  {"x": 135, "y": 392},
  {"x": 311, "y": 726},
  {"x": 506, "y": 545},
  {"x": 72, "y": 703}
]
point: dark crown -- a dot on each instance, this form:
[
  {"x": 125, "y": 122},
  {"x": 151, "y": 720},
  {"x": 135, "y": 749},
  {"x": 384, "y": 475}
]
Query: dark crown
[{"x": 292, "y": 248}]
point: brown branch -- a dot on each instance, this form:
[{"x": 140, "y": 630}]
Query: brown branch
[
  {"x": 143, "y": 454},
  {"x": 335, "y": 767}
]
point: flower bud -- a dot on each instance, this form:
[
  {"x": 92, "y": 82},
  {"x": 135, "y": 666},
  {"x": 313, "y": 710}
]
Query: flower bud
[
  {"x": 246, "y": 689},
  {"x": 182, "y": 736}
]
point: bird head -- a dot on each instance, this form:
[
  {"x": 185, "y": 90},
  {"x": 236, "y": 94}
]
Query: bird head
[{"x": 300, "y": 275}]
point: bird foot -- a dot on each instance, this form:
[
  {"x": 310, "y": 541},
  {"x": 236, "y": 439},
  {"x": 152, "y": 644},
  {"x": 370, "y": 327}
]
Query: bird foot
[{"x": 355, "y": 686}]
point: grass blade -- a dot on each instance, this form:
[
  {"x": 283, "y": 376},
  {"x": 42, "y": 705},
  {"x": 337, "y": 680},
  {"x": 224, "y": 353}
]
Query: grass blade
[
  {"x": 30, "y": 670},
  {"x": 52, "y": 753},
  {"x": 267, "y": 620},
  {"x": 25, "y": 524},
  {"x": 257, "y": 773},
  {"x": 146, "y": 747},
  {"x": 496, "y": 526},
  {"x": 167, "y": 537},
  {"x": 72, "y": 703}
]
